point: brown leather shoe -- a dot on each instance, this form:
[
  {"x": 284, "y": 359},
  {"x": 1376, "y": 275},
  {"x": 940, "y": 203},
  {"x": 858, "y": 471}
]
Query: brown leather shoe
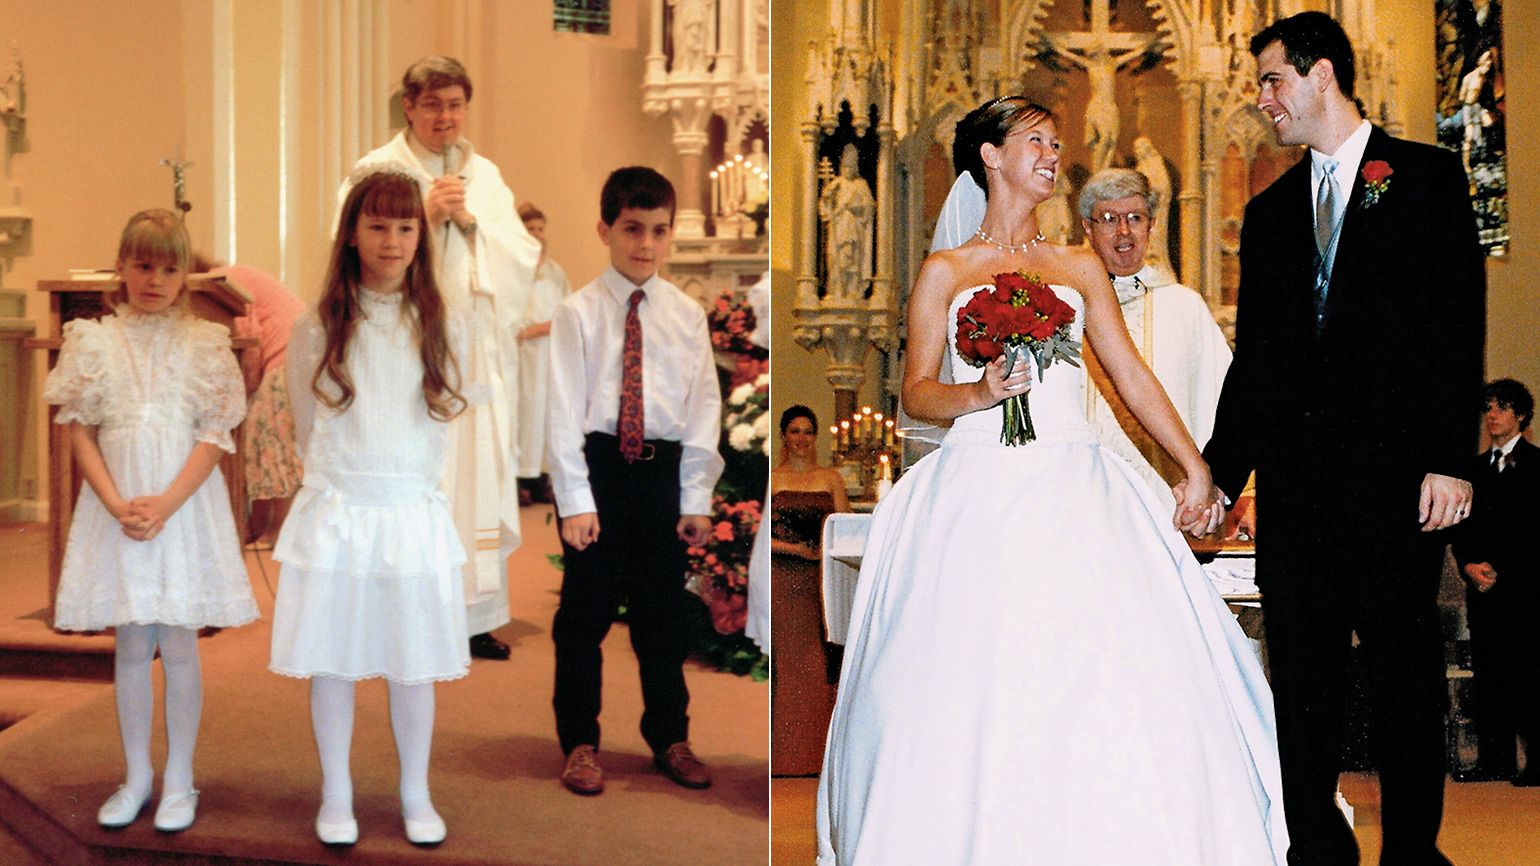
[
  {"x": 680, "y": 764},
  {"x": 583, "y": 775}
]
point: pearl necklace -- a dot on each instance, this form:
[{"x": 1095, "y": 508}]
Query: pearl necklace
[{"x": 1010, "y": 248}]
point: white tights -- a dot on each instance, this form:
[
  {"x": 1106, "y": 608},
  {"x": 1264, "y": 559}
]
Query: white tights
[
  {"x": 136, "y": 645},
  {"x": 411, "y": 720}
]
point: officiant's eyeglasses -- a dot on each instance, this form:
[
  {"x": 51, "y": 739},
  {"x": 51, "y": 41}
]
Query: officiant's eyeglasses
[{"x": 1107, "y": 221}]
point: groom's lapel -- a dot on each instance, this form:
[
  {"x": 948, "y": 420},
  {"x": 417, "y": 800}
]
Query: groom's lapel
[
  {"x": 1352, "y": 245},
  {"x": 1296, "y": 246},
  {"x": 1356, "y": 247}
]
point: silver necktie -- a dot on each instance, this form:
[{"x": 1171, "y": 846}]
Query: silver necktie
[{"x": 1326, "y": 207}]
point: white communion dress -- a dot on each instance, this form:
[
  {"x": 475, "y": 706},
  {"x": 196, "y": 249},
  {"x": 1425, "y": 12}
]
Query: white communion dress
[
  {"x": 1038, "y": 671},
  {"x": 154, "y": 385},
  {"x": 370, "y": 584}
]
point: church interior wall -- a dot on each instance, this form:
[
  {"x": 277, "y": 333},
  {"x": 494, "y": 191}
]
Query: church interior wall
[
  {"x": 114, "y": 87},
  {"x": 1513, "y": 308},
  {"x": 799, "y": 375}
]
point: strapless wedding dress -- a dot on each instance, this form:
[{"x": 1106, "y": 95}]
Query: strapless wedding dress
[{"x": 1038, "y": 671}]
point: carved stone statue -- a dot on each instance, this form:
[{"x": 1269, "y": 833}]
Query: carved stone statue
[
  {"x": 756, "y": 184},
  {"x": 691, "y": 31},
  {"x": 848, "y": 209},
  {"x": 1101, "y": 52},
  {"x": 1150, "y": 164}
]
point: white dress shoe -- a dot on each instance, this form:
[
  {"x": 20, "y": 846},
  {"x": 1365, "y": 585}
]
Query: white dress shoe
[
  {"x": 337, "y": 832},
  {"x": 176, "y": 812},
  {"x": 121, "y": 808},
  {"x": 430, "y": 832}
]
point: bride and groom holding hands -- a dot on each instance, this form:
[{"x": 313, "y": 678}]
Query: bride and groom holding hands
[{"x": 1038, "y": 670}]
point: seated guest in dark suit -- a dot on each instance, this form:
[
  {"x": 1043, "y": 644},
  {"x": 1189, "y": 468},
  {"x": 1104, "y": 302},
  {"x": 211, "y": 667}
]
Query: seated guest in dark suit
[{"x": 1499, "y": 556}]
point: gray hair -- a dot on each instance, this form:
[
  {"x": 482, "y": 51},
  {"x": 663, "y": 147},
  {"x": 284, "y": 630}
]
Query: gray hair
[{"x": 1115, "y": 183}]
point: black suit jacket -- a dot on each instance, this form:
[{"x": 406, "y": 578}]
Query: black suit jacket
[
  {"x": 1504, "y": 527},
  {"x": 1389, "y": 387}
]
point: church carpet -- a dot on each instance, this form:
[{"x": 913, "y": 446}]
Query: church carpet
[
  {"x": 1485, "y": 823},
  {"x": 495, "y": 763}
]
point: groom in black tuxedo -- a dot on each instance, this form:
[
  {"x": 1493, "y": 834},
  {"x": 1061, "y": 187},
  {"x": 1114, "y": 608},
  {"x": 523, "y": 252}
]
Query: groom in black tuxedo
[{"x": 1359, "y": 342}]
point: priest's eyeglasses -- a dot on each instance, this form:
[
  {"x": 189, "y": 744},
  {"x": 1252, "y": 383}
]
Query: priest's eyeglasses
[{"x": 1107, "y": 222}]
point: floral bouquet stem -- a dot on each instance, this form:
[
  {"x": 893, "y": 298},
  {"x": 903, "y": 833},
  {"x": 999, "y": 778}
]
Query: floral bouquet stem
[{"x": 1017, "y": 429}]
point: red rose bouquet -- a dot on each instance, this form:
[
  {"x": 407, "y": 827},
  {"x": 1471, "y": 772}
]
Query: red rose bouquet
[{"x": 1022, "y": 316}]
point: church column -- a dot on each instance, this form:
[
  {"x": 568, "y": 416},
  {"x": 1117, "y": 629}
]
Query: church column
[
  {"x": 728, "y": 42},
  {"x": 1190, "y": 200},
  {"x": 807, "y": 248},
  {"x": 655, "y": 57},
  {"x": 882, "y": 279},
  {"x": 690, "y": 139}
]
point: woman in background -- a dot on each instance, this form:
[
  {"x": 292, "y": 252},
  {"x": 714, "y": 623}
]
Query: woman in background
[{"x": 804, "y": 666}]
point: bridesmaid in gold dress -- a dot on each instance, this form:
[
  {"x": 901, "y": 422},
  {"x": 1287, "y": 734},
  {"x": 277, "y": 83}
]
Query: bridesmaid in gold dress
[{"x": 804, "y": 667}]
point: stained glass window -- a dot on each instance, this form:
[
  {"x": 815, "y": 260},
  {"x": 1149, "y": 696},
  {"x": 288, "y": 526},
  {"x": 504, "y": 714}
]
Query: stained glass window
[{"x": 583, "y": 16}]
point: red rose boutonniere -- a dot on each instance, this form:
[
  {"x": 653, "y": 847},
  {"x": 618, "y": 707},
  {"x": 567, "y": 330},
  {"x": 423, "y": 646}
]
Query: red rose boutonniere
[{"x": 1376, "y": 174}]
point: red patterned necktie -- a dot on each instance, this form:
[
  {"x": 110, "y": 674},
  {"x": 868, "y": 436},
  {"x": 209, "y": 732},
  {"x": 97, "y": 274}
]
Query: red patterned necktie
[{"x": 631, "y": 422}]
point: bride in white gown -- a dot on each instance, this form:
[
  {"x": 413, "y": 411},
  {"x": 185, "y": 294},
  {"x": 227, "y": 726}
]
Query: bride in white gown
[{"x": 1038, "y": 670}]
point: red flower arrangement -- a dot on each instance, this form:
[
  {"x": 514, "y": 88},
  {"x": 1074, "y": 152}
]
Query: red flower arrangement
[
  {"x": 731, "y": 321},
  {"x": 719, "y": 573},
  {"x": 1023, "y": 316}
]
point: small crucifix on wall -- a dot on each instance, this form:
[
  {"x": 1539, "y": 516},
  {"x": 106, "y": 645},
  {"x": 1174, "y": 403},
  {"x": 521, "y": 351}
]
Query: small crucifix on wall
[{"x": 179, "y": 169}]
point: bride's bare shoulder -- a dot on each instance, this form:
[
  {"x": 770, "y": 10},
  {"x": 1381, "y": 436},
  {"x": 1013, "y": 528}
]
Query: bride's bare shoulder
[
  {"x": 1078, "y": 268},
  {"x": 945, "y": 273}
]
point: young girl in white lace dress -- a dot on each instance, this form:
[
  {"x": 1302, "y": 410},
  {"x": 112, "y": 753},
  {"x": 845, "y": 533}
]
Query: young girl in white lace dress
[
  {"x": 370, "y": 585},
  {"x": 150, "y": 395}
]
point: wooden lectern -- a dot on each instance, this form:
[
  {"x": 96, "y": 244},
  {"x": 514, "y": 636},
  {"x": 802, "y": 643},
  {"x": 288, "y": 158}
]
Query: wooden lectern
[{"x": 210, "y": 298}]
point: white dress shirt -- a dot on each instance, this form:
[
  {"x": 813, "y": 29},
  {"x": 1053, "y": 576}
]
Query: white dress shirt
[
  {"x": 1348, "y": 156},
  {"x": 1504, "y": 450},
  {"x": 680, "y": 397}
]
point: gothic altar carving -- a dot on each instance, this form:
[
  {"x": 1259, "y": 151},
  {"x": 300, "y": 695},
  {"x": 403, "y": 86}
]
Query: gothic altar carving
[
  {"x": 845, "y": 302},
  {"x": 1164, "y": 85},
  {"x": 708, "y": 71},
  {"x": 14, "y": 221},
  {"x": 18, "y": 489}
]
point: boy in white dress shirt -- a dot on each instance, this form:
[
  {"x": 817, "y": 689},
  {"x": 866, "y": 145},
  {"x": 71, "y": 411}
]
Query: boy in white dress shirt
[{"x": 633, "y": 420}]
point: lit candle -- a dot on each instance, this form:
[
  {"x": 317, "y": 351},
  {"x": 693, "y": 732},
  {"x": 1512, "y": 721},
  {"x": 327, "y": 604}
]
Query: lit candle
[
  {"x": 716, "y": 193},
  {"x": 844, "y": 434},
  {"x": 888, "y": 433}
]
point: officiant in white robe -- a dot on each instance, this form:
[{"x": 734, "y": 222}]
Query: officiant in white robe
[
  {"x": 1170, "y": 324},
  {"x": 486, "y": 263}
]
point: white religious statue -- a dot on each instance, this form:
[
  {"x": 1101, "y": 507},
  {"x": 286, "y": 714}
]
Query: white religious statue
[
  {"x": 486, "y": 263},
  {"x": 1148, "y": 161},
  {"x": 1170, "y": 324},
  {"x": 1054, "y": 213},
  {"x": 1101, "y": 52},
  {"x": 691, "y": 31},
  {"x": 848, "y": 209},
  {"x": 756, "y": 177}
]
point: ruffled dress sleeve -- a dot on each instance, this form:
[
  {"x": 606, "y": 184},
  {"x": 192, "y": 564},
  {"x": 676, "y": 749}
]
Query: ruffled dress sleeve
[
  {"x": 307, "y": 345},
  {"x": 216, "y": 384},
  {"x": 78, "y": 383}
]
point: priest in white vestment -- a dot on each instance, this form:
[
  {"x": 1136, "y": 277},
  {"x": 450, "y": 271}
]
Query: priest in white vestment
[
  {"x": 486, "y": 264},
  {"x": 550, "y": 288},
  {"x": 1170, "y": 324}
]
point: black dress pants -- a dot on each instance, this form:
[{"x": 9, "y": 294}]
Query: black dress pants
[
  {"x": 639, "y": 561},
  {"x": 1325, "y": 574}
]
